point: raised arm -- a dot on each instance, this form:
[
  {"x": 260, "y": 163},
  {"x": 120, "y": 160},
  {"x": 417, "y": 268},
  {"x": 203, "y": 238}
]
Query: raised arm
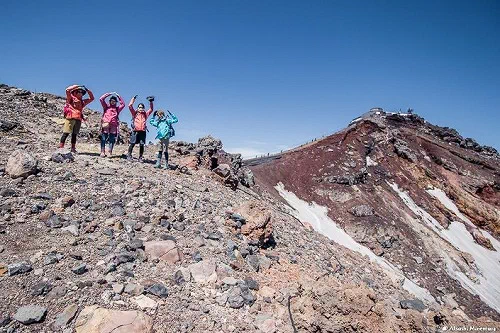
[
  {"x": 103, "y": 100},
  {"x": 69, "y": 98},
  {"x": 122, "y": 104},
  {"x": 91, "y": 97},
  {"x": 131, "y": 107},
  {"x": 172, "y": 119},
  {"x": 148, "y": 113},
  {"x": 154, "y": 121}
]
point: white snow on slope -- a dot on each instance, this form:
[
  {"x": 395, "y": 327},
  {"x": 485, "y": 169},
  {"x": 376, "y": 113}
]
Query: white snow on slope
[
  {"x": 487, "y": 286},
  {"x": 317, "y": 217}
]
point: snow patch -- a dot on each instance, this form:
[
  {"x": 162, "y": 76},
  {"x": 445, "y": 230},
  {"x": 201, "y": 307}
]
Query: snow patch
[
  {"x": 487, "y": 284},
  {"x": 317, "y": 217}
]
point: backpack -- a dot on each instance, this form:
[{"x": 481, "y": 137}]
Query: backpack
[{"x": 171, "y": 131}]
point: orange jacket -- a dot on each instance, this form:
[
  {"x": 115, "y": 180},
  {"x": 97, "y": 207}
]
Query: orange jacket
[
  {"x": 139, "y": 117},
  {"x": 75, "y": 105}
]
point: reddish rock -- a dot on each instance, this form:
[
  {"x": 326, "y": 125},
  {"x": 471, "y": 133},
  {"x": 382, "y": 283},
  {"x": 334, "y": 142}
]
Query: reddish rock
[
  {"x": 258, "y": 226},
  {"x": 163, "y": 250}
]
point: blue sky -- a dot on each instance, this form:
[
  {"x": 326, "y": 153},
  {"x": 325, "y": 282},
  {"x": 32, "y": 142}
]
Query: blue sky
[{"x": 267, "y": 75}]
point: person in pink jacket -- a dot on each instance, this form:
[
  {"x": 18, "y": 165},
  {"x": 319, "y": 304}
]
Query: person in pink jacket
[
  {"x": 139, "y": 118},
  {"x": 109, "y": 121}
]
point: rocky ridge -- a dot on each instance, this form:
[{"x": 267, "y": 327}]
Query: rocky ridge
[{"x": 90, "y": 244}]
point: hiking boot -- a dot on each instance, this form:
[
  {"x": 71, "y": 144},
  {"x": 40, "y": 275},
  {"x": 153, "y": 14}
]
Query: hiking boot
[
  {"x": 102, "y": 154},
  {"x": 166, "y": 166},
  {"x": 73, "y": 150},
  {"x": 141, "y": 159},
  {"x": 129, "y": 158},
  {"x": 158, "y": 164}
]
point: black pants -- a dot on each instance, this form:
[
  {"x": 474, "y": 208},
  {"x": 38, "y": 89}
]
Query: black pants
[
  {"x": 65, "y": 136},
  {"x": 140, "y": 138}
]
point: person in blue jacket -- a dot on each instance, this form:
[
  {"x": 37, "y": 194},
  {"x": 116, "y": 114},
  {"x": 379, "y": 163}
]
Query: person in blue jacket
[{"x": 165, "y": 132}]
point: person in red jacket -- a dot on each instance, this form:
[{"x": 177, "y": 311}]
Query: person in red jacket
[
  {"x": 139, "y": 118},
  {"x": 73, "y": 113}
]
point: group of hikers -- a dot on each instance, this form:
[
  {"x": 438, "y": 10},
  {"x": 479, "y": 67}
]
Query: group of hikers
[{"x": 110, "y": 123}]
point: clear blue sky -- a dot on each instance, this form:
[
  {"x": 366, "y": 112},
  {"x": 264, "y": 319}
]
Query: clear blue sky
[{"x": 266, "y": 75}]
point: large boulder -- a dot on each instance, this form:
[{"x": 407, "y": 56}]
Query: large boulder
[
  {"x": 21, "y": 164},
  {"x": 258, "y": 223},
  {"x": 94, "y": 319}
]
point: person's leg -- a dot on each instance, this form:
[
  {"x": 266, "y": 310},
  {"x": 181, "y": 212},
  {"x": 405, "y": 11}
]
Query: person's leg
[
  {"x": 141, "y": 137},
  {"x": 104, "y": 138},
  {"x": 67, "y": 130},
  {"x": 111, "y": 141},
  {"x": 133, "y": 140},
  {"x": 160, "y": 153},
  {"x": 76, "y": 129},
  {"x": 165, "y": 145},
  {"x": 63, "y": 140}
]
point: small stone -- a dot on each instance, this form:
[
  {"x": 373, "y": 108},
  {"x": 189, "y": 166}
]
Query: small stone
[
  {"x": 144, "y": 302},
  {"x": 265, "y": 323},
  {"x": 54, "y": 222},
  {"x": 72, "y": 229},
  {"x": 65, "y": 317},
  {"x": 80, "y": 269},
  {"x": 179, "y": 226},
  {"x": 182, "y": 275},
  {"x": 197, "y": 257},
  {"x": 19, "y": 268},
  {"x": 30, "y": 314},
  {"x": 158, "y": 289},
  {"x": 231, "y": 281},
  {"x": 362, "y": 211},
  {"x": 251, "y": 283},
  {"x": 418, "y": 260},
  {"x": 203, "y": 271},
  {"x": 234, "y": 299},
  {"x": 41, "y": 288},
  {"x": 135, "y": 244},
  {"x": 133, "y": 289},
  {"x": 118, "y": 288},
  {"x": 414, "y": 304},
  {"x": 254, "y": 262}
]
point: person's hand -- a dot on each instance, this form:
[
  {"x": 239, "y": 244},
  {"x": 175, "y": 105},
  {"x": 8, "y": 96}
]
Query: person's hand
[
  {"x": 84, "y": 88},
  {"x": 135, "y": 97}
]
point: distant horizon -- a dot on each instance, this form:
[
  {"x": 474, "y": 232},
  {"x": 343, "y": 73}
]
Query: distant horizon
[{"x": 267, "y": 76}]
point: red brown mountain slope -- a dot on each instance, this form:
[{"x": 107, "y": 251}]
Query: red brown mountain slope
[{"x": 417, "y": 195}]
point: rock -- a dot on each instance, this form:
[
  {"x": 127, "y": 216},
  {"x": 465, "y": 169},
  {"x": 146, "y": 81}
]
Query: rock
[
  {"x": 264, "y": 263},
  {"x": 30, "y": 314},
  {"x": 135, "y": 244},
  {"x": 21, "y": 164},
  {"x": 66, "y": 201},
  {"x": 71, "y": 229},
  {"x": 246, "y": 177},
  {"x": 251, "y": 283},
  {"x": 165, "y": 250},
  {"x": 223, "y": 170},
  {"x": 267, "y": 291},
  {"x": 80, "y": 269},
  {"x": 418, "y": 260},
  {"x": 179, "y": 226},
  {"x": 53, "y": 222},
  {"x": 182, "y": 275},
  {"x": 234, "y": 299},
  {"x": 133, "y": 289},
  {"x": 253, "y": 261},
  {"x": 158, "y": 289},
  {"x": 95, "y": 319},
  {"x": 482, "y": 240},
  {"x": 118, "y": 211},
  {"x": 231, "y": 281},
  {"x": 118, "y": 288},
  {"x": 203, "y": 271},
  {"x": 7, "y": 192},
  {"x": 144, "y": 302},
  {"x": 19, "y": 268},
  {"x": 258, "y": 223},
  {"x": 65, "y": 317},
  {"x": 401, "y": 149},
  {"x": 62, "y": 156},
  {"x": 4, "y": 320},
  {"x": 197, "y": 256},
  {"x": 265, "y": 323},
  {"x": 56, "y": 293},
  {"x": 41, "y": 288},
  {"x": 362, "y": 211},
  {"x": 414, "y": 304},
  {"x": 6, "y": 125}
]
